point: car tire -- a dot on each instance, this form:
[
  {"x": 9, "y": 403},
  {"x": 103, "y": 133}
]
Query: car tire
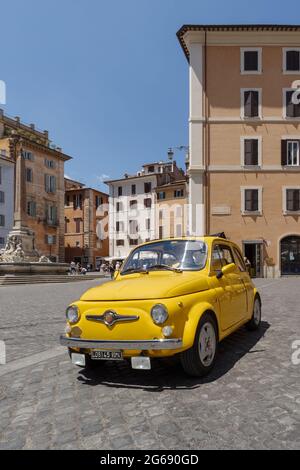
[
  {"x": 255, "y": 321},
  {"x": 198, "y": 361}
]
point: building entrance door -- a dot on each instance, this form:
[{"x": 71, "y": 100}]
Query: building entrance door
[
  {"x": 290, "y": 255},
  {"x": 253, "y": 251}
]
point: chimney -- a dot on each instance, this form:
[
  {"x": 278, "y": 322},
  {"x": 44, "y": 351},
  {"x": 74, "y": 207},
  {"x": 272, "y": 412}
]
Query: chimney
[{"x": 46, "y": 134}]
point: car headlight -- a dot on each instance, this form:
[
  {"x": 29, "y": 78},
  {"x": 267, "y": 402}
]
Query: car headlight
[
  {"x": 159, "y": 314},
  {"x": 72, "y": 314}
]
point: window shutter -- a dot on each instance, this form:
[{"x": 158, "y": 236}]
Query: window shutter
[
  {"x": 289, "y": 104},
  {"x": 248, "y": 152},
  {"x": 247, "y": 104},
  {"x": 283, "y": 152},
  {"x": 293, "y": 60},
  {"x": 254, "y": 103},
  {"x": 248, "y": 200},
  {"x": 290, "y": 200}
]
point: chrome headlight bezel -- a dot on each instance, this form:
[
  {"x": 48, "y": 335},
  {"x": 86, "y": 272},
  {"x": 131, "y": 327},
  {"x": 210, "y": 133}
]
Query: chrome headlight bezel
[
  {"x": 159, "y": 314},
  {"x": 72, "y": 314}
]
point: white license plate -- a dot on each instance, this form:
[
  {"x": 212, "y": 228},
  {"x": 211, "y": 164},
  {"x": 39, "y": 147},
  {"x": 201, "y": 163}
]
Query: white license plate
[{"x": 107, "y": 355}]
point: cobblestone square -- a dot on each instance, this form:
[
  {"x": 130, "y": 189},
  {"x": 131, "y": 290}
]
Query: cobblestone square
[{"x": 251, "y": 400}]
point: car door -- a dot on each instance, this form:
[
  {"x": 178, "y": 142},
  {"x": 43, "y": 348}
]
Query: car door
[
  {"x": 245, "y": 279},
  {"x": 230, "y": 289}
]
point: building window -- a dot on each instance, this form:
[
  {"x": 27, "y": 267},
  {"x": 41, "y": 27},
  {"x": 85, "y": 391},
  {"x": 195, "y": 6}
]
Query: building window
[
  {"x": 133, "y": 241},
  {"x": 2, "y": 197},
  {"x": 292, "y": 200},
  {"x": 31, "y": 208},
  {"x": 119, "y": 242},
  {"x": 251, "y": 200},
  {"x": 2, "y": 220},
  {"x": 161, "y": 232},
  {"x": 291, "y": 60},
  {"x": 290, "y": 152},
  {"x": 290, "y": 109},
  {"x": 51, "y": 214},
  {"x": 119, "y": 226},
  {"x": 98, "y": 201},
  {"x": 27, "y": 155},
  {"x": 251, "y": 103},
  {"x": 133, "y": 227},
  {"x": 2, "y": 241},
  {"x": 67, "y": 200},
  {"x": 151, "y": 169},
  {"x": 148, "y": 224},
  {"x": 148, "y": 203},
  {"x": 120, "y": 191},
  {"x": 50, "y": 239},
  {"x": 133, "y": 204},
  {"x": 250, "y": 60},
  {"x": 66, "y": 224},
  {"x": 119, "y": 206},
  {"x": 250, "y": 155},
  {"x": 147, "y": 187},
  {"x": 161, "y": 195},
  {"x": 77, "y": 225},
  {"x": 50, "y": 183},
  {"x": 77, "y": 201},
  {"x": 178, "y": 230},
  {"x": 50, "y": 163},
  {"x": 178, "y": 193},
  {"x": 133, "y": 189},
  {"x": 29, "y": 175}
]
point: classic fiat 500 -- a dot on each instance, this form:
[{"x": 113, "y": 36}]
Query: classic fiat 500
[{"x": 171, "y": 297}]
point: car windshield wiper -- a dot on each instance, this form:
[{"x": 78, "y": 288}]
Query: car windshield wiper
[
  {"x": 134, "y": 270},
  {"x": 165, "y": 266}
]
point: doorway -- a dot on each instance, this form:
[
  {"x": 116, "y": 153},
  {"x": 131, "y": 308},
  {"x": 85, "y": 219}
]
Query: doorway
[
  {"x": 290, "y": 255},
  {"x": 253, "y": 251}
]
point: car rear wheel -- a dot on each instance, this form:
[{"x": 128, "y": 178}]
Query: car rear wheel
[
  {"x": 200, "y": 359},
  {"x": 254, "y": 323}
]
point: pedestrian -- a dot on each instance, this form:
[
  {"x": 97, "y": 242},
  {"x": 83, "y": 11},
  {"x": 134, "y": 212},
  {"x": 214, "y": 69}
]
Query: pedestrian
[
  {"x": 118, "y": 266},
  {"x": 72, "y": 267}
]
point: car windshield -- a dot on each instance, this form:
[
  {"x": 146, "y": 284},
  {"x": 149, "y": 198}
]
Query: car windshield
[{"x": 181, "y": 255}]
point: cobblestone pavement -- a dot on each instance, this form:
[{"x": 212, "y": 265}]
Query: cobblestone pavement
[{"x": 251, "y": 400}]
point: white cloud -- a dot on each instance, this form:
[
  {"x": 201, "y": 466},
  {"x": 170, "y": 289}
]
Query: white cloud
[{"x": 102, "y": 178}]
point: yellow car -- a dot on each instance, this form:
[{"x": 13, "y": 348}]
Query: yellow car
[{"x": 172, "y": 297}]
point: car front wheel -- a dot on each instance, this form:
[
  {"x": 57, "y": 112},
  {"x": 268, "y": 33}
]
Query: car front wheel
[
  {"x": 254, "y": 323},
  {"x": 200, "y": 359}
]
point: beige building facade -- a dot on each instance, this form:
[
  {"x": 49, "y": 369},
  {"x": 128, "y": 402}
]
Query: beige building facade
[
  {"x": 36, "y": 197},
  {"x": 244, "y": 132}
]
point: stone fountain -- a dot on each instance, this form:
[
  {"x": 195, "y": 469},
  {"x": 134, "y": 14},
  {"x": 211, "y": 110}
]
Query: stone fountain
[{"x": 20, "y": 256}]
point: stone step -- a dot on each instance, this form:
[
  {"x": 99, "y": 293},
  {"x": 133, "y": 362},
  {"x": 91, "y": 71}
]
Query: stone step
[{"x": 42, "y": 279}]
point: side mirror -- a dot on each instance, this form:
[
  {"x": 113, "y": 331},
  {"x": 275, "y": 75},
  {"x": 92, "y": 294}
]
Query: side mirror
[{"x": 227, "y": 269}]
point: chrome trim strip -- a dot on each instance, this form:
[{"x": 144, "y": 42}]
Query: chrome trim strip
[
  {"x": 115, "y": 318},
  {"x": 144, "y": 345}
]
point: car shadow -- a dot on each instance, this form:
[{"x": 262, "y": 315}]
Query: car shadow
[{"x": 168, "y": 373}]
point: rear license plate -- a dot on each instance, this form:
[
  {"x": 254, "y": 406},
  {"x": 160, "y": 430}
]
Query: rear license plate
[{"x": 107, "y": 355}]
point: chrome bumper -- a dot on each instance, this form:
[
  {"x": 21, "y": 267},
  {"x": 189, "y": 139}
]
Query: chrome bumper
[{"x": 142, "y": 345}]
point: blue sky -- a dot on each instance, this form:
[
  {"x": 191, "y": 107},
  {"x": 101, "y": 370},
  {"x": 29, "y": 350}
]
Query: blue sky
[{"x": 108, "y": 79}]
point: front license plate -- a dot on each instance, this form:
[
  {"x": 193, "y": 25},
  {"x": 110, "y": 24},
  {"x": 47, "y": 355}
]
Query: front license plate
[{"x": 107, "y": 355}]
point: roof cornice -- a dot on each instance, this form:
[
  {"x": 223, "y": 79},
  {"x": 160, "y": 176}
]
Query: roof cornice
[{"x": 233, "y": 28}]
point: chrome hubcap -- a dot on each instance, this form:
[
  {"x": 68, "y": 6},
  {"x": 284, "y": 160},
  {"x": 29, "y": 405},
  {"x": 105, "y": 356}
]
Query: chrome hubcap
[
  {"x": 256, "y": 312},
  {"x": 207, "y": 344}
]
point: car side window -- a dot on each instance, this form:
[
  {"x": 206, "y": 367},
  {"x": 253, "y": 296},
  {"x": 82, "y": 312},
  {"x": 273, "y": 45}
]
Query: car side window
[
  {"x": 216, "y": 264},
  {"x": 226, "y": 255},
  {"x": 239, "y": 260}
]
